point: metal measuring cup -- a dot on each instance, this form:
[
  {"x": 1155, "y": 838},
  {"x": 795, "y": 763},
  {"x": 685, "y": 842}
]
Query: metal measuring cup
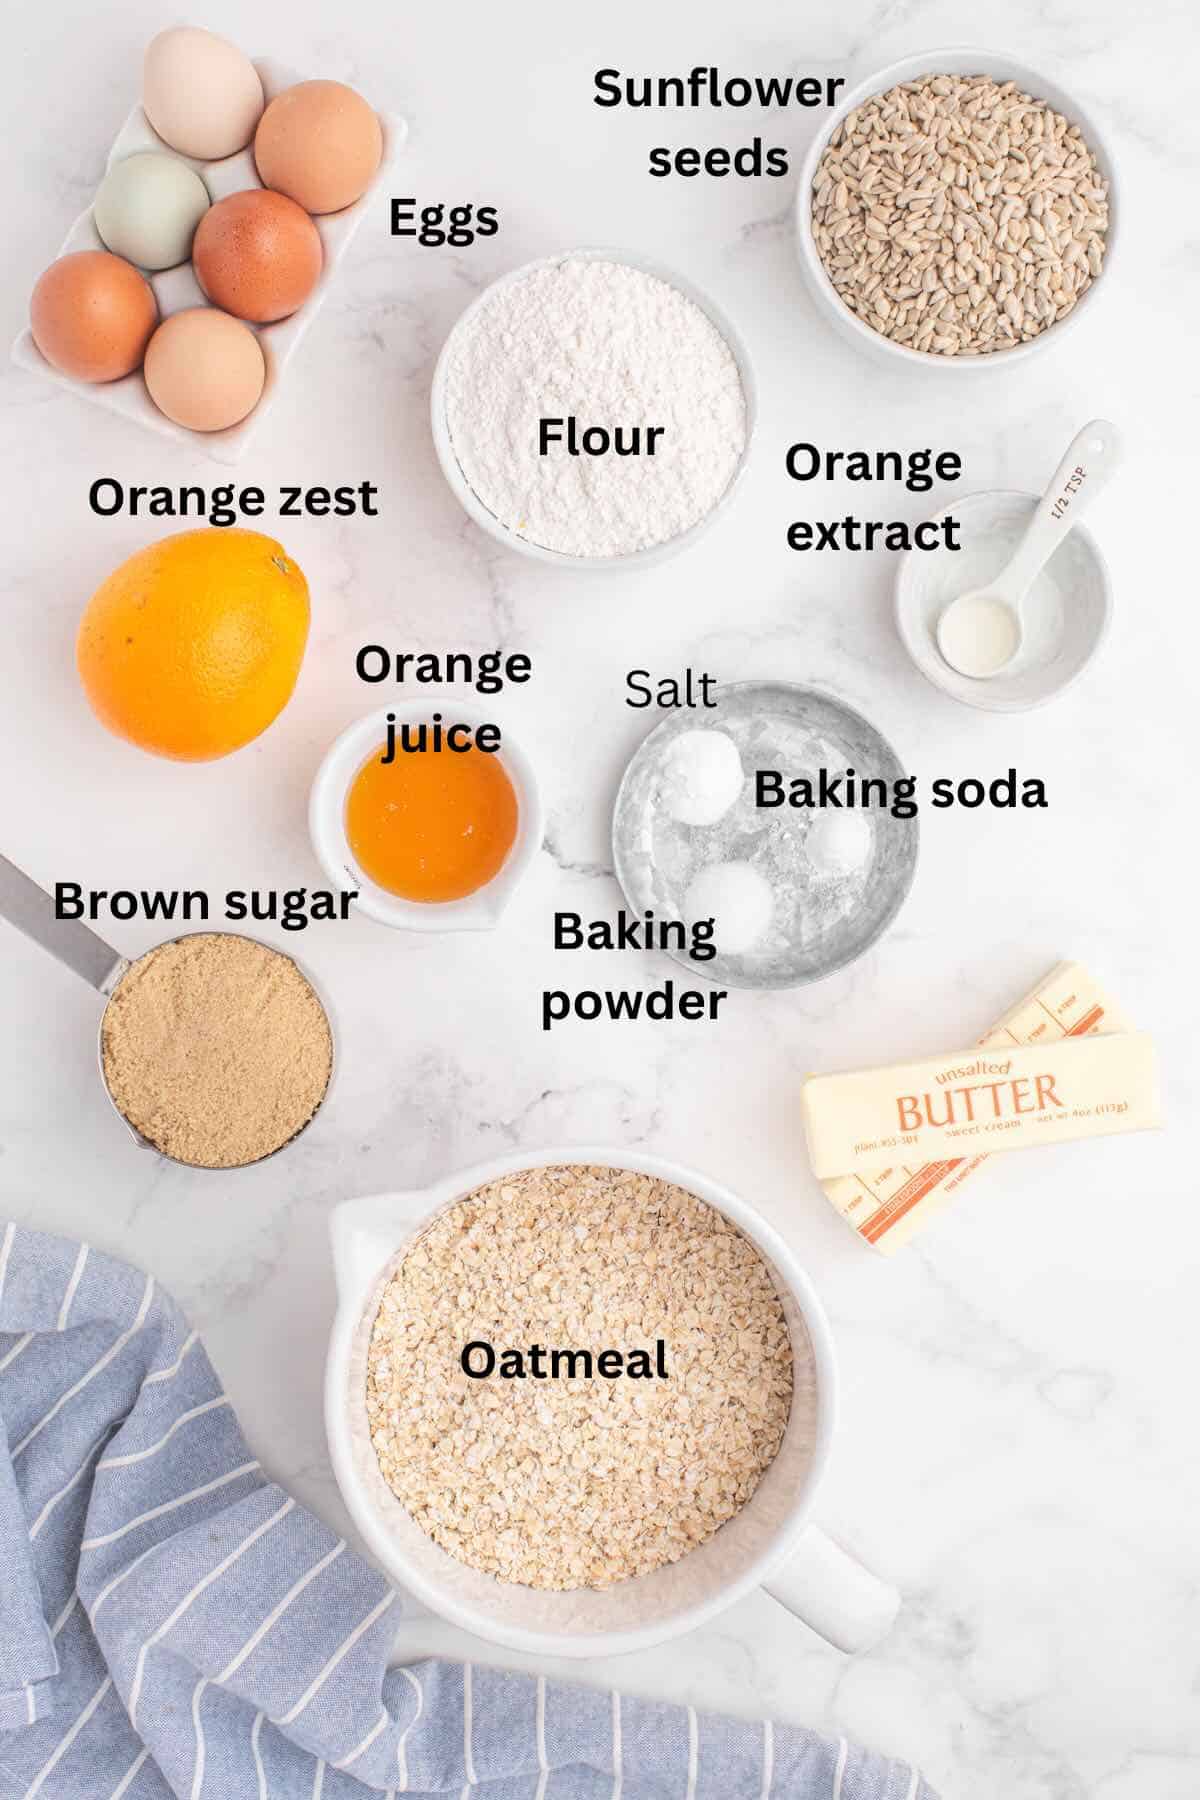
[{"x": 31, "y": 909}]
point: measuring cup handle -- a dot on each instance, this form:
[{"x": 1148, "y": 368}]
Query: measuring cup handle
[
  {"x": 833, "y": 1593},
  {"x": 30, "y": 908}
]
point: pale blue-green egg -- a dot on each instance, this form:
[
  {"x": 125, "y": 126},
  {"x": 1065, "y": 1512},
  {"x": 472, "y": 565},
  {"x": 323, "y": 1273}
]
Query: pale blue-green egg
[{"x": 148, "y": 208}]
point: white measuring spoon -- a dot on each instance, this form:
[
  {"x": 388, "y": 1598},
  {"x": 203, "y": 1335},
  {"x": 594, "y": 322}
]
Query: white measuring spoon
[{"x": 981, "y": 632}]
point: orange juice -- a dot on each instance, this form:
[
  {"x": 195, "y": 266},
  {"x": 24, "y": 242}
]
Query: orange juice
[{"x": 432, "y": 824}]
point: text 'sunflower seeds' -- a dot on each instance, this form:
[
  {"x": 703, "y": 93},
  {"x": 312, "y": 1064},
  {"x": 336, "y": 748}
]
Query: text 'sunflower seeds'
[
  {"x": 958, "y": 215},
  {"x": 577, "y": 1375}
]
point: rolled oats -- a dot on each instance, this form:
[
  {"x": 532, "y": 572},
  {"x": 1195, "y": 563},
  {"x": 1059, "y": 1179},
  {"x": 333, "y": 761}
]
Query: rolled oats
[{"x": 578, "y": 1482}]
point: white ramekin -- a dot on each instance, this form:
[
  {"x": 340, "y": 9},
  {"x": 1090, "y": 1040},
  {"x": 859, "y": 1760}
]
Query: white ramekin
[
  {"x": 769, "y": 1543},
  {"x": 957, "y": 60},
  {"x": 926, "y": 583},
  {"x": 487, "y": 521},
  {"x": 327, "y": 823}
]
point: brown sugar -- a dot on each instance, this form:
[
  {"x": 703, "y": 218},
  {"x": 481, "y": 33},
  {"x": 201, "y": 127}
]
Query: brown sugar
[{"x": 216, "y": 1049}]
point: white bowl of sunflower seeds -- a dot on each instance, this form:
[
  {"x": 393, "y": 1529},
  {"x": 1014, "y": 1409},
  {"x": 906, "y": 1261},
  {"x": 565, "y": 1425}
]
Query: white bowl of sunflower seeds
[{"x": 957, "y": 211}]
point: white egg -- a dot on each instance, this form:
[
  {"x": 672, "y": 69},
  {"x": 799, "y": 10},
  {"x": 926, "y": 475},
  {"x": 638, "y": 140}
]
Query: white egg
[
  {"x": 148, "y": 207},
  {"x": 736, "y": 898},
  {"x": 700, "y": 777},
  {"x": 838, "y": 843},
  {"x": 201, "y": 94}
]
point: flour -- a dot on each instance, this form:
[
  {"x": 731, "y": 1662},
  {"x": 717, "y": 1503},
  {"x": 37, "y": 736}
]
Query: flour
[{"x": 608, "y": 346}]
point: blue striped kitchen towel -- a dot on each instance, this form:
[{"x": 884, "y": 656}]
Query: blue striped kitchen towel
[{"x": 172, "y": 1623}]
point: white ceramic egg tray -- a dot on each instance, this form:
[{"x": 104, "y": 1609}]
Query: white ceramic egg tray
[{"x": 175, "y": 289}]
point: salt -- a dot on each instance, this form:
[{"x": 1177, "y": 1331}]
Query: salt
[{"x": 701, "y": 777}]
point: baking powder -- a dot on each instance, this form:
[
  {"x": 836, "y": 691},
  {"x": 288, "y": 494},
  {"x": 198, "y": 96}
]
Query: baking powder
[{"x": 608, "y": 346}]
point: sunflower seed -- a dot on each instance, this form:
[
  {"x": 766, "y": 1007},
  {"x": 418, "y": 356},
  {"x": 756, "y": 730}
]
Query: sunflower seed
[{"x": 963, "y": 202}]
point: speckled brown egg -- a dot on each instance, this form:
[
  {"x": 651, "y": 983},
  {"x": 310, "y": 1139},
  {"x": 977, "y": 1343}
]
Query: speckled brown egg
[
  {"x": 319, "y": 143},
  {"x": 91, "y": 315},
  {"x": 258, "y": 255}
]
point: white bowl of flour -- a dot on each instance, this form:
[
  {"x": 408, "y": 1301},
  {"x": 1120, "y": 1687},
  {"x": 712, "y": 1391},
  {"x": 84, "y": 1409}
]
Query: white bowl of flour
[{"x": 593, "y": 410}]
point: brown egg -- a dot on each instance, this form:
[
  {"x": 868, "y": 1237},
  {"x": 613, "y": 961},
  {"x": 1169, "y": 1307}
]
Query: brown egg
[
  {"x": 204, "y": 369},
  {"x": 91, "y": 315},
  {"x": 257, "y": 254},
  {"x": 319, "y": 143}
]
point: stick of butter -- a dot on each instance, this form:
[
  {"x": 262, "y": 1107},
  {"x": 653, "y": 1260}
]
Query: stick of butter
[
  {"x": 890, "y": 1203},
  {"x": 989, "y": 1100},
  {"x": 982, "y": 1100}
]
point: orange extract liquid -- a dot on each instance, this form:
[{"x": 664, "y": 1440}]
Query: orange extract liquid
[{"x": 434, "y": 824}]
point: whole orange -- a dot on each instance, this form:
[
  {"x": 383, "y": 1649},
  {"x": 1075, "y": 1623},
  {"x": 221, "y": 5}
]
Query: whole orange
[{"x": 192, "y": 647}]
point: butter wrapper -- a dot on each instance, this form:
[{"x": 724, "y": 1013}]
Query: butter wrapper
[{"x": 894, "y": 1197}]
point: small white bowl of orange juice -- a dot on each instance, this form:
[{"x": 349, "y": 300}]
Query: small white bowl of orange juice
[{"x": 430, "y": 813}]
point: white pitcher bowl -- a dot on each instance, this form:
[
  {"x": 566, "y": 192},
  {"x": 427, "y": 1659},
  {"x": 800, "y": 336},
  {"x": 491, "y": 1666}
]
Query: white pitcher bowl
[{"x": 769, "y": 1543}]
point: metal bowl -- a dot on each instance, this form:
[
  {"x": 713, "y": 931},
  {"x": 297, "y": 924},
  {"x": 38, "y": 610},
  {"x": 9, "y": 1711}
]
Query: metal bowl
[
  {"x": 821, "y": 922},
  {"x": 1067, "y": 613}
]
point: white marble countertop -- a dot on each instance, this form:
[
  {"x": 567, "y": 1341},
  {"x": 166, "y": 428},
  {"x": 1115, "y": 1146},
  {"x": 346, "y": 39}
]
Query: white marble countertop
[{"x": 1017, "y": 1449}]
